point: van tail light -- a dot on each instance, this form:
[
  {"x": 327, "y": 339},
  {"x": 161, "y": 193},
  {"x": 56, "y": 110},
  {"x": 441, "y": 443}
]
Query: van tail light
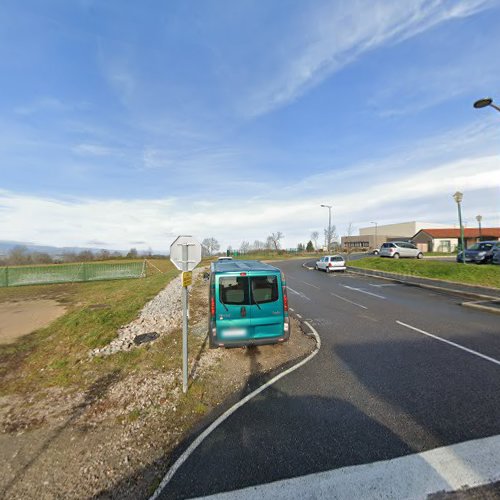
[
  {"x": 285, "y": 300},
  {"x": 212, "y": 307},
  {"x": 330, "y": 265}
]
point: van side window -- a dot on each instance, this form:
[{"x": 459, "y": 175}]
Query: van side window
[
  {"x": 264, "y": 289},
  {"x": 234, "y": 290}
]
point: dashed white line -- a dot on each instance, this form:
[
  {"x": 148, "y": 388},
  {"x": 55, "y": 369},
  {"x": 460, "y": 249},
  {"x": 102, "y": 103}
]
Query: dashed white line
[
  {"x": 364, "y": 291},
  {"x": 298, "y": 316},
  {"x": 386, "y": 284},
  {"x": 458, "y": 346},
  {"x": 314, "y": 286},
  {"x": 300, "y": 294},
  {"x": 347, "y": 300}
]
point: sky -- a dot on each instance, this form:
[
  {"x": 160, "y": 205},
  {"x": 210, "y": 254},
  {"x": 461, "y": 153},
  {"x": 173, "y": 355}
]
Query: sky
[{"x": 124, "y": 124}]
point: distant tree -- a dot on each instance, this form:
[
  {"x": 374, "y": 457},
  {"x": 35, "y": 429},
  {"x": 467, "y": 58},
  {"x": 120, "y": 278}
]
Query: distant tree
[
  {"x": 348, "y": 248},
  {"x": 244, "y": 247},
  {"x": 269, "y": 243},
  {"x": 116, "y": 254},
  {"x": 41, "y": 258},
  {"x": 300, "y": 247},
  {"x": 258, "y": 245},
  {"x": 69, "y": 257},
  {"x": 309, "y": 247},
  {"x": 132, "y": 254},
  {"x": 314, "y": 237},
  {"x": 330, "y": 235},
  {"x": 104, "y": 255},
  {"x": 275, "y": 239},
  {"x": 85, "y": 256},
  {"x": 19, "y": 255},
  {"x": 211, "y": 245}
]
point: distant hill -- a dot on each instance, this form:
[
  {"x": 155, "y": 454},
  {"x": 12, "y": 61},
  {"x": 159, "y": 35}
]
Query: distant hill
[{"x": 5, "y": 246}]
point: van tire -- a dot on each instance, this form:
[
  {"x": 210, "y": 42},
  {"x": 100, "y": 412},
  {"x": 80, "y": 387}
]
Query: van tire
[
  {"x": 395, "y": 256},
  {"x": 420, "y": 255},
  {"x": 327, "y": 269}
]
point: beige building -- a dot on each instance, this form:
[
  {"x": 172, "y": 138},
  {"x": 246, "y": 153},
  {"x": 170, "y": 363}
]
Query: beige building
[{"x": 373, "y": 236}]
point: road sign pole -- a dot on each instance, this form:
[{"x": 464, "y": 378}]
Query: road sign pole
[{"x": 184, "y": 323}]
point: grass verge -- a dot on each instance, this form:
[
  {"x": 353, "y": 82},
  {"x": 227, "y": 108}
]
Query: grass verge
[
  {"x": 57, "y": 355},
  {"x": 469, "y": 274}
]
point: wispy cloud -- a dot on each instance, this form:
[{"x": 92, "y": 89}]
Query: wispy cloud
[
  {"x": 95, "y": 150},
  {"x": 418, "y": 182},
  {"x": 338, "y": 33}
]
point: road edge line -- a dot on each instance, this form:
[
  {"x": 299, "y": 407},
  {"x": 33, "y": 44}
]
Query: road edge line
[{"x": 192, "y": 447}]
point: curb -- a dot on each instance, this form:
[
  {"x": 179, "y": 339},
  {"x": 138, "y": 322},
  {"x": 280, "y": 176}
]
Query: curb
[
  {"x": 481, "y": 306},
  {"x": 453, "y": 291},
  {"x": 192, "y": 447}
]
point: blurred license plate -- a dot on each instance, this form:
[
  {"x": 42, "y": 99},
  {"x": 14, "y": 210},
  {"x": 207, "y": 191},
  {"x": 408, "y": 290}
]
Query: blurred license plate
[{"x": 235, "y": 332}]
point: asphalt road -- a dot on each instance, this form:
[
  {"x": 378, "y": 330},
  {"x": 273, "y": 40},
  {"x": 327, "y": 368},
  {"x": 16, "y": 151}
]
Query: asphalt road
[{"x": 379, "y": 388}]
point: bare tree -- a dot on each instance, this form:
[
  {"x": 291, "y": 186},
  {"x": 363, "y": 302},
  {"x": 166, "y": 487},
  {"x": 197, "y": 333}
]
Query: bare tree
[
  {"x": 330, "y": 235},
  {"x": 211, "y": 245},
  {"x": 244, "y": 247},
  {"x": 275, "y": 239},
  {"x": 314, "y": 237},
  {"x": 348, "y": 247},
  {"x": 258, "y": 245}
]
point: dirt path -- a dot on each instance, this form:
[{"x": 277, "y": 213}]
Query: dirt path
[{"x": 23, "y": 317}]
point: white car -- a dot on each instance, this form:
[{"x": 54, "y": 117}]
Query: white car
[
  {"x": 397, "y": 249},
  {"x": 225, "y": 259},
  {"x": 331, "y": 263}
]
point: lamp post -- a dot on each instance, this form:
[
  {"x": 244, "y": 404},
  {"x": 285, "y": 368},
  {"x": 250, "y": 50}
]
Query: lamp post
[
  {"x": 479, "y": 218},
  {"x": 458, "y": 198},
  {"x": 483, "y": 103},
  {"x": 329, "y": 235},
  {"x": 376, "y": 235}
]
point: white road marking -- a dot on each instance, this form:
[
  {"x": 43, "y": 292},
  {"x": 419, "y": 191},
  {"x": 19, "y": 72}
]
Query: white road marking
[
  {"x": 466, "y": 349},
  {"x": 298, "y": 316},
  {"x": 449, "y": 468},
  {"x": 347, "y": 300},
  {"x": 363, "y": 291},
  {"x": 314, "y": 286},
  {"x": 300, "y": 294},
  {"x": 192, "y": 447},
  {"x": 385, "y": 284},
  {"x": 291, "y": 309}
]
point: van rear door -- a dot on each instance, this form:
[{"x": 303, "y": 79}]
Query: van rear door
[
  {"x": 267, "y": 311},
  {"x": 232, "y": 308}
]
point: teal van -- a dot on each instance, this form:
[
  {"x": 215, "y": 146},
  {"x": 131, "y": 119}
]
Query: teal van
[{"x": 248, "y": 304}]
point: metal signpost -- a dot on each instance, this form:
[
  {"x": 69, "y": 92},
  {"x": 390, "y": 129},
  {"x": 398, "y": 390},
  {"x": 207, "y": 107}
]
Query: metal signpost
[{"x": 185, "y": 254}]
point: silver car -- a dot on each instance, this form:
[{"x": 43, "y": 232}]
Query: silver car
[{"x": 397, "y": 249}]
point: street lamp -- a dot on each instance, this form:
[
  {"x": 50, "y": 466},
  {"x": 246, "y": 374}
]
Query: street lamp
[
  {"x": 479, "y": 218},
  {"x": 329, "y": 225},
  {"x": 376, "y": 238},
  {"x": 458, "y": 198},
  {"x": 483, "y": 103}
]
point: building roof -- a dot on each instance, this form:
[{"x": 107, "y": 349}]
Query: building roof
[{"x": 486, "y": 232}]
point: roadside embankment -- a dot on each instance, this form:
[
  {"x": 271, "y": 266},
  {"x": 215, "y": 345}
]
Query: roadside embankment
[{"x": 78, "y": 426}]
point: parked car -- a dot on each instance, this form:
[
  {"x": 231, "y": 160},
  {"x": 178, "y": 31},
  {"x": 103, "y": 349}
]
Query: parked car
[
  {"x": 331, "y": 263},
  {"x": 224, "y": 259},
  {"x": 397, "y": 249},
  {"x": 480, "y": 253},
  {"x": 495, "y": 259},
  {"x": 375, "y": 251}
]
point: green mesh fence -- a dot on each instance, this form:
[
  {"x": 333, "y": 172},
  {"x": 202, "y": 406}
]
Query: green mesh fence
[{"x": 68, "y": 273}]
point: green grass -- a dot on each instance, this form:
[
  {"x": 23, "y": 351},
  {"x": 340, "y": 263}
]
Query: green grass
[
  {"x": 470, "y": 274},
  {"x": 57, "y": 355}
]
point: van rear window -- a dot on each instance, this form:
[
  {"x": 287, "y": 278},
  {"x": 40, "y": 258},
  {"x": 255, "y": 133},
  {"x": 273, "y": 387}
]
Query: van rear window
[
  {"x": 234, "y": 290},
  {"x": 244, "y": 291}
]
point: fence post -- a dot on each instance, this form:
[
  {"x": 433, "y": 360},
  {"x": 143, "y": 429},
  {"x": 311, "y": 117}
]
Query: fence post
[
  {"x": 7, "y": 276},
  {"x": 84, "y": 268}
]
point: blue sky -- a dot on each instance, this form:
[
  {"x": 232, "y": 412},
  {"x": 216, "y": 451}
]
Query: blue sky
[{"x": 126, "y": 123}]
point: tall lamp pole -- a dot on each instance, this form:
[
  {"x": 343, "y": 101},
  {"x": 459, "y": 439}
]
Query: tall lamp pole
[
  {"x": 458, "y": 198},
  {"x": 376, "y": 235},
  {"x": 329, "y": 226},
  {"x": 479, "y": 218}
]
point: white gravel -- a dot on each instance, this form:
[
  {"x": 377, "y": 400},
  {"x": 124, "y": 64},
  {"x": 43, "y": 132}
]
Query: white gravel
[{"x": 162, "y": 315}]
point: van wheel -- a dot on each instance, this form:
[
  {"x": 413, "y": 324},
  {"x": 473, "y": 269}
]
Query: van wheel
[
  {"x": 420, "y": 255},
  {"x": 316, "y": 268},
  {"x": 327, "y": 270},
  {"x": 396, "y": 256}
]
